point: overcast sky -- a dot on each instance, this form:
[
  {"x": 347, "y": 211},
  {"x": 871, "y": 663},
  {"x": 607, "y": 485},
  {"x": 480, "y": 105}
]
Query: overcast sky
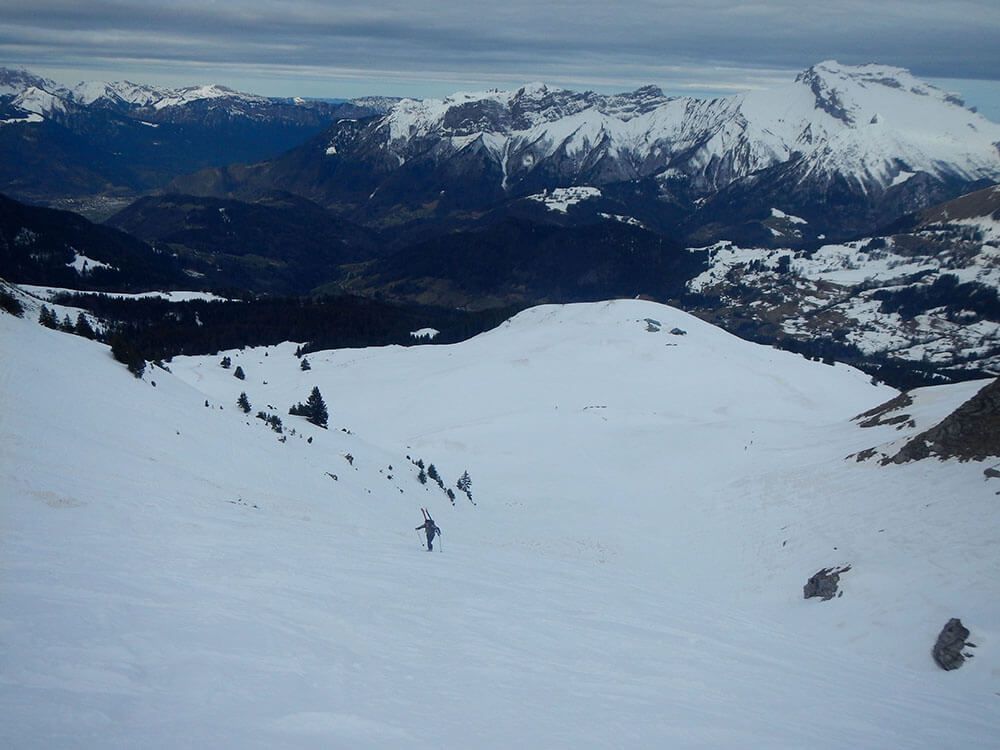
[{"x": 330, "y": 48}]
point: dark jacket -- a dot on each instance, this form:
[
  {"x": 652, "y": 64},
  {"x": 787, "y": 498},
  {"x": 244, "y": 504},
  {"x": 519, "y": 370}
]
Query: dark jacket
[{"x": 430, "y": 528}]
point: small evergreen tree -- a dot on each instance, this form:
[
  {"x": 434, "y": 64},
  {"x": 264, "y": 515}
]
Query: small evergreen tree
[
  {"x": 464, "y": 484},
  {"x": 273, "y": 420},
  {"x": 422, "y": 477},
  {"x": 11, "y": 304},
  {"x": 67, "y": 325},
  {"x": 226, "y": 363},
  {"x": 305, "y": 364},
  {"x": 243, "y": 403},
  {"x": 314, "y": 409},
  {"x": 48, "y": 318},
  {"x": 317, "y": 408},
  {"x": 238, "y": 373},
  {"x": 83, "y": 327},
  {"x": 126, "y": 353}
]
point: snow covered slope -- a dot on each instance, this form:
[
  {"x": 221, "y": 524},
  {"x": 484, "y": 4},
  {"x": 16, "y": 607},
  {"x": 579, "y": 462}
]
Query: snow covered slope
[
  {"x": 648, "y": 507},
  {"x": 924, "y": 295}
]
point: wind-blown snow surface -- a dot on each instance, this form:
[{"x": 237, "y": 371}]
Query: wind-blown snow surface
[{"x": 648, "y": 508}]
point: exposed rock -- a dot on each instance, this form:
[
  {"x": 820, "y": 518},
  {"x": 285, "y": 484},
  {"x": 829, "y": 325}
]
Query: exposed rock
[
  {"x": 880, "y": 414},
  {"x": 971, "y": 432},
  {"x": 678, "y": 332},
  {"x": 948, "y": 649},
  {"x": 824, "y": 583}
]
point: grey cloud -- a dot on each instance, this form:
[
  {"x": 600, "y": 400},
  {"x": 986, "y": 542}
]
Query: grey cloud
[{"x": 586, "y": 40}]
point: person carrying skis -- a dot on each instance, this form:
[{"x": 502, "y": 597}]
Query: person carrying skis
[{"x": 430, "y": 528}]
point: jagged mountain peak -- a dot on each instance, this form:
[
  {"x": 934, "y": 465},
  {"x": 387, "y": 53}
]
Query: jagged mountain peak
[
  {"x": 504, "y": 112},
  {"x": 116, "y": 93}
]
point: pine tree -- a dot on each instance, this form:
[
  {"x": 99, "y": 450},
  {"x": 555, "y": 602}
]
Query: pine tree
[
  {"x": 67, "y": 325},
  {"x": 243, "y": 403},
  {"x": 83, "y": 327},
  {"x": 48, "y": 318},
  {"x": 226, "y": 363},
  {"x": 126, "y": 353},
  {"x": 11, "y": 304},
  {"x": 464, "y": 484},
  {"x": 317, "y": 413},
  {"x": 305, "y": 364},
  {"x": 313, "y": 409}
]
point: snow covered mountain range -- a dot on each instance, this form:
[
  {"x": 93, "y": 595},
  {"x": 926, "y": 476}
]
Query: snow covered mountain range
[
  {"x": 848, "y": 148},
  {"x": 651, "y": 495},
  {"x": 875, "y": 125},
  {"x": 42, "y": 96},
  {"x": 101, "y": 139}
]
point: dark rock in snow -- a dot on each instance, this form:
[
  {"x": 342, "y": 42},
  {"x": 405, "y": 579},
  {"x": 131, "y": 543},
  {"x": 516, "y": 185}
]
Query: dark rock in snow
[
  {"x": 824, "y": 583},
  {"x": 948, "y": 649},
  {"x": 971, "y": 432}
]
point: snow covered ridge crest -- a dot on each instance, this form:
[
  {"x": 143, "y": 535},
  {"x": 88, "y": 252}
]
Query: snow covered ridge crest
[
  {"x": 43, "y": 96},
  {"x": 871, "y": 122}
]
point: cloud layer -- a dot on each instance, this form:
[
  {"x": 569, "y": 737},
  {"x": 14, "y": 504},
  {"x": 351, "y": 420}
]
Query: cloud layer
[{"x": 713, "y": 44}]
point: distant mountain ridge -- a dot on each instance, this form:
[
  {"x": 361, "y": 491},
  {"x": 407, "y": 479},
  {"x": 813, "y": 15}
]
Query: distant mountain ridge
[
  {"x": 839, "y": 117},
  {"x": 43, "y": 96},
  {"x": 856, "y": 146},
  {"x": 119, "y": 138}
]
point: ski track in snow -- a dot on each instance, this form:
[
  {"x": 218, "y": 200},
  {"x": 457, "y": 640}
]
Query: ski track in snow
[{"x": 649, "y": 507}]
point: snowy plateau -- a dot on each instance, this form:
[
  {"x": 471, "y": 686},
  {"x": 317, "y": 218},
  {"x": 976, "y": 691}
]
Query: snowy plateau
[{"x": 647, "y": 508}]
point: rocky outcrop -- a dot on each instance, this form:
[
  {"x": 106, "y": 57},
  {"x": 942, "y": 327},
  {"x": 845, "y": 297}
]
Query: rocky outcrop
[
  {"x": 951, "y": 642},
  {"x": 970, "y": 433},
  {"x": 824, "y": 583},
  {"x": 887, "y": 413}
]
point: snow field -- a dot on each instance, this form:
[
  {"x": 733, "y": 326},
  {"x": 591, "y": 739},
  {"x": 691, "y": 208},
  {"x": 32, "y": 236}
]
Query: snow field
[{"x": 176, "y": 577}]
